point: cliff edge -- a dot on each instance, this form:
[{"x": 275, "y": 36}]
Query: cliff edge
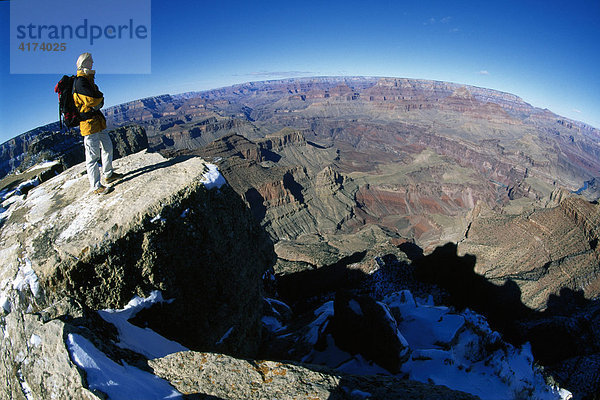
[{"x": 172, "y": 226}]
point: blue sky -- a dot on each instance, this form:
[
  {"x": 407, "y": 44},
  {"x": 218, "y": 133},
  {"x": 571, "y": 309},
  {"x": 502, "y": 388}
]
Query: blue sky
[{"x": 547, "y": 52}]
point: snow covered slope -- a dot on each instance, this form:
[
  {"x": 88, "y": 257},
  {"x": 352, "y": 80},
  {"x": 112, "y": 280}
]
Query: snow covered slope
[{"x": 457, "y": 350}]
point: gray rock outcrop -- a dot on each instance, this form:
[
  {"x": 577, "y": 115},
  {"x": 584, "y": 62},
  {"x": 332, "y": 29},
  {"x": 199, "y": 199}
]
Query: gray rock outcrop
[
  {"x": 35, "y": 363},
  {"x": 225, "y": 377},
  {"x": 163, "y": 228}
]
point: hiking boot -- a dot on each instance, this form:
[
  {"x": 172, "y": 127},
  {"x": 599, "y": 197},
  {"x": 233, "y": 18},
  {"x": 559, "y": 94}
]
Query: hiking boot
[
  {"x": 114, "y": 177},
  {"x": 103, "y": 190}
]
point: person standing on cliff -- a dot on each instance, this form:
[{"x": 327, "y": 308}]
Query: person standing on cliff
[{"x": 96, "y": 141}]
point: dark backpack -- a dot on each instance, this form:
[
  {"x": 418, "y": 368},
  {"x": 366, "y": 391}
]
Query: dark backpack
[{"x": 68, "y": 114}]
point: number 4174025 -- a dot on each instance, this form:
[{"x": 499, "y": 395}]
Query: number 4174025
[{"x": 48, "y": 46}]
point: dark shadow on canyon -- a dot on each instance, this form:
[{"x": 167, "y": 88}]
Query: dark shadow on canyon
[
  {"x": 564, "y": 331},
  {"x": 502, "y": 305},
  {"x": 412, "y": 251},
  {"x": 318, "y": 146},
  {"x": 294, "y": 187},
  {"x": 295, "y": 289},
  {"x": 269, "y": 155},
  {"x": 256, "y": 202}
]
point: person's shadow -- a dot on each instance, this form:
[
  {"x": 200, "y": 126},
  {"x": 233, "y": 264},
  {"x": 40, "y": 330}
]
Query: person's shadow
[
  {"x": 500, "y": 304},
  {"x": 568, "y": 329},
  {"x": 130, "y": 175}
]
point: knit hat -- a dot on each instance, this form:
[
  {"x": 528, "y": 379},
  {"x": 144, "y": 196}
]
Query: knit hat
[{"x": 85, "y": 61}]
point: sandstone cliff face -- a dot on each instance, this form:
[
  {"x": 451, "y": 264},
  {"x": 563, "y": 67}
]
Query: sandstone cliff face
[
  {"x": 298, "y": 193},
  {"x": 13, "y": 150},
  {"x": 176, "y": 134},
  {"x": 161, "y": 229},
  {"x": 279, "y": 140},
  {"x": 29, "y": 149},
  {"x": 543, "y": 251},
  {"x": 468, "y": 115},
  {"x": 141, "y": 110}
]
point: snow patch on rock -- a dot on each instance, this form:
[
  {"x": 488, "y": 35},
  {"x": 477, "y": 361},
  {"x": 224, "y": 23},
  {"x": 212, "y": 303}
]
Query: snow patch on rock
[
  {"x": 119, "y": 382},
  {"x": 26, "y": 278},
  {"x": 141, "y": 340},
  {"x": 212, "y": 178},
  {"x": 457, "y": 350}
]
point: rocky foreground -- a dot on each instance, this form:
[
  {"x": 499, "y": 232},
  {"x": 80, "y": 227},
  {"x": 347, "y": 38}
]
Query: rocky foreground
[
  {"x": 66, "y": 251},
  {"x": 172, "y": 226},
  {"x": 229, "y": 378}
]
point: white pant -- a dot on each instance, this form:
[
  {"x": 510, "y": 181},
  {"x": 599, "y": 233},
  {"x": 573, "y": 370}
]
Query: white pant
[{"x": 98, "y": 145}]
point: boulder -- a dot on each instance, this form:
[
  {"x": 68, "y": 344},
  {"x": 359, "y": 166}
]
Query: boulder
[
  {"x": 363, "y": 325},
  {"x": 208, "y": 375},
  {"x": 35, "y": 363}
]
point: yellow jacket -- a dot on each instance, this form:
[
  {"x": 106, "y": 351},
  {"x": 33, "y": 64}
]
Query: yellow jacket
[{"x": 88, "y": 98}]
